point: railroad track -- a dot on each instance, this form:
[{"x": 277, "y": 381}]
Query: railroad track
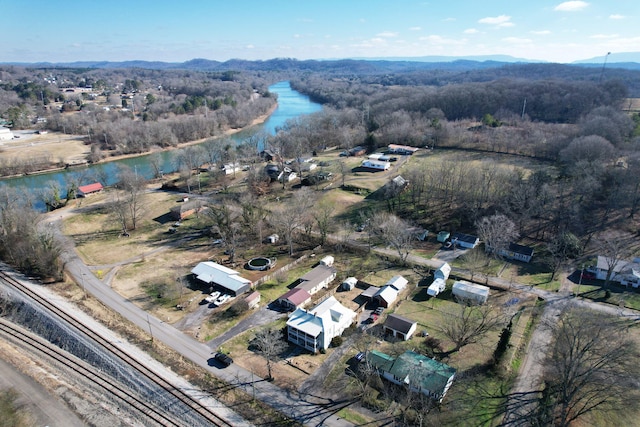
[{"x": 101, "y": 379}]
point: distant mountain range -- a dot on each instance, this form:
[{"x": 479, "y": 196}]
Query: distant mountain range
[{"x": 624, "y": 60}]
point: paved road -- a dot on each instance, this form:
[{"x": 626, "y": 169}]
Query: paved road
[
  {"x": 310, "y": 410},
  {"x": 304, "y": 407}
]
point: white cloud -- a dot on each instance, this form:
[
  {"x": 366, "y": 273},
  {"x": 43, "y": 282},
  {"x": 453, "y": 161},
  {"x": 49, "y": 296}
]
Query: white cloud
[
  {"x": 437, "y": 40},
  {"x": 250, "y": 46},
  {"x": 516, "y": 40},
  {"x": 415, "y": 28},
  {"x": 471, "y": 31},
  {"x": 541, "y": 32},
  {"x": 387, "y": 34},
  {"x": 604, "y": 36},
  {"x": 616, "y": 16},
  {"x": 449, "y": 20},
  {"x": 498, "y": 21},
  {"x": 571, "y": 6}
]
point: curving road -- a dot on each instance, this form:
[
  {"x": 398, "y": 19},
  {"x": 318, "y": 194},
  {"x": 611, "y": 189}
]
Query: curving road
[{"x": 306, "y": 408}]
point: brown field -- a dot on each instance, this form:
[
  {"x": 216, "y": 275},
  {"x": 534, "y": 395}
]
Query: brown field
[{"x": 56, "y": 146}]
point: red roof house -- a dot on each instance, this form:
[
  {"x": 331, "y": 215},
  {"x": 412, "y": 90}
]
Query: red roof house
[{"x": 295, "y": 298}]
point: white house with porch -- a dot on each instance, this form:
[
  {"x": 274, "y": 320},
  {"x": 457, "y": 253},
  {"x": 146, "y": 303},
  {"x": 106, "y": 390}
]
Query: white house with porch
[{"x": 314, "y": 329}]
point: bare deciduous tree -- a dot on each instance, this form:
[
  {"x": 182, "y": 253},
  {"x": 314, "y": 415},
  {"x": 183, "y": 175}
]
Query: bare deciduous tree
[
  {"x": 592, "y": 366},
  {"x": 395, "y": 232},
  {"x": 270, "y": 344},
  {"x": 470, "y": 324},
  {"x": 497, "y": 231}
]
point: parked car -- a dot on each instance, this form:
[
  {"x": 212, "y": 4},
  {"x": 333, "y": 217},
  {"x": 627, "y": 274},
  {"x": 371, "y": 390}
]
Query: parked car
[
  {"x": 215, "y": 295},
  {"x": 225, "y": 359},
  {"x": 379, "y": 310},
  {"x": 222, "y": 299},
  {"x": 360, "y": 356},
  {"x": 447, "y": 245},
  {"x": 372, "y": 318}
]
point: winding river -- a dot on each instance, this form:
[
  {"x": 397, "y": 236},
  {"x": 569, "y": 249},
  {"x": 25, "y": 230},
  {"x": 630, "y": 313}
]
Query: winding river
[{"x": 291, "y": 104}]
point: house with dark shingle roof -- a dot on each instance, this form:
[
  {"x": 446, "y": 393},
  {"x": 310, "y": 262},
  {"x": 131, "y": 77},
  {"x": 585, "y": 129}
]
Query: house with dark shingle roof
[
  {"x": 517, "y": 252},
  {"x": 420, "y": 373},
  {"x": 399, "y": 326}
]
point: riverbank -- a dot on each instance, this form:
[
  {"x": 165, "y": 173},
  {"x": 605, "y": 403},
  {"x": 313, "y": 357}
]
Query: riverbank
[{"x": 56, "y": 148}]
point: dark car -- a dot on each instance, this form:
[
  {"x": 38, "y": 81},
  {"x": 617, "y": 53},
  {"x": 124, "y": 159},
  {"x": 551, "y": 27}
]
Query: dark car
[
  {"x": 225, "y": 359},
  {"x": 379, "y": 310}
]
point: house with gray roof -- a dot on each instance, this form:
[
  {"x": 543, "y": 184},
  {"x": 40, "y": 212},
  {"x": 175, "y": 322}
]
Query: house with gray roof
[{"x": 316, "y": 279}]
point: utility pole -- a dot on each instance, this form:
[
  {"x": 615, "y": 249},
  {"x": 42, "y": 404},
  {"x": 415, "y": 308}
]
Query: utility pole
[
  {"x": 603, "y": 65},
  {"x": 150, "y": 331},
  {"x": 84, "y": 289}
]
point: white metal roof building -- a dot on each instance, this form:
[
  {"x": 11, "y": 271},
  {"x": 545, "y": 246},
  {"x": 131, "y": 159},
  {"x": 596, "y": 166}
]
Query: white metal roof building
[
  {"x": 213, "y": 273},
  {"x": 467, "y": 291},
  {"x": 5, "y": 134},
  {"x": 442, "y": 272},
  {"x": 386, "y": 295},
  {"x": 398, "y": 282},
  {"x": 314, "y": 329}
]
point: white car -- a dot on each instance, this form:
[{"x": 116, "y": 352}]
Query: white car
[
  {"x": 215, "y": 294},
  {"x": 222, "y": 299}
]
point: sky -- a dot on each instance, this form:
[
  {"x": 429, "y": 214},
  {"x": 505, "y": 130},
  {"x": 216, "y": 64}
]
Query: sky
[{"x": 180, "y": 30}]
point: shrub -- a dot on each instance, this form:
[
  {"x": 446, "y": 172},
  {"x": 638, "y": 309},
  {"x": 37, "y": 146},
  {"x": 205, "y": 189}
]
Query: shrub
[{"x": 336, "y": 341}]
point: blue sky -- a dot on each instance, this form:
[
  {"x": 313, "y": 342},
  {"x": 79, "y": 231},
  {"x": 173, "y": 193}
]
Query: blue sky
[{"x": 179, "y": 30}]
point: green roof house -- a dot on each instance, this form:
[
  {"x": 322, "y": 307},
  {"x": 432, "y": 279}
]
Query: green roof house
[{"x": 420, "y": 373}]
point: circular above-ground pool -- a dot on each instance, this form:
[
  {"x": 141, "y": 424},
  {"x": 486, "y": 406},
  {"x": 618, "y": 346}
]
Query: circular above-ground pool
[{"x": 260, "y": 263}]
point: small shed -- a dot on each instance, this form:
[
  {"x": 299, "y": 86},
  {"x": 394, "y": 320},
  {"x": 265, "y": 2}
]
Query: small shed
[
  {"x": 272, "y": 239},
  {"x": 470, "y": 292},
  {"x": 399, "y": 326},
  {"x": 436, "y": 287},
  {"x": 443, "y": 236},
  {"x": 442, "y": 272},
  {"x": 328, "y": 261},
  {"x": 253, "y": 299},
  {"x": 349, "y": 283}
]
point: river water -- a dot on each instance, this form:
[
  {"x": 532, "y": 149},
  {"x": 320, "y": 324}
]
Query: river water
[{"x": 291, "y": 104}]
